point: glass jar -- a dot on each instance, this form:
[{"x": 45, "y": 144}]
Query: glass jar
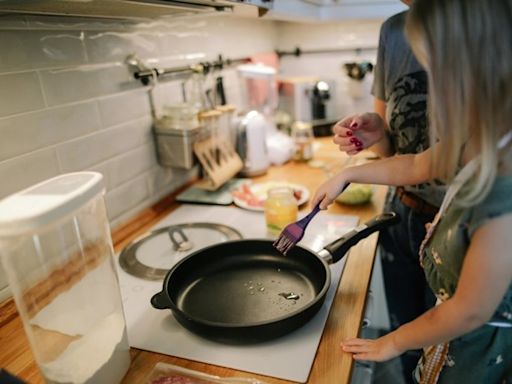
[
  {"x": 280, "y": 210},
  {"x": 302, "y": 134},
  {"x": 227, "y": 129},
  {"x": 179, "y": 116}
]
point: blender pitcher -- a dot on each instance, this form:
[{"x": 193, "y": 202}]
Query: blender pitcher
[
  {"x": 56, "y": 249},
  {"x": 258, "y": 88}
]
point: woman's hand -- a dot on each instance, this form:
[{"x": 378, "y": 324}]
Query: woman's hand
[
  {"x": 328, "y": 191},
  {"x": 380, "y": 349},
  {"x": 355, "y": 133}
]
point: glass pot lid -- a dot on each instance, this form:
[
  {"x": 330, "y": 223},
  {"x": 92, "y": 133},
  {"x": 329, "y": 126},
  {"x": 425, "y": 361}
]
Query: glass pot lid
[{"x": 152, "y": 255}]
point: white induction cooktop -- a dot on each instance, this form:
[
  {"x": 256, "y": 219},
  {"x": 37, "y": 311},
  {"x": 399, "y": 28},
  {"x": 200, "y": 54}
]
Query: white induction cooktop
[{"x": 289, "y": 357}]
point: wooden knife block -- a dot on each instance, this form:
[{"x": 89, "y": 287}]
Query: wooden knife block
[{"x": 219, "y": 160}]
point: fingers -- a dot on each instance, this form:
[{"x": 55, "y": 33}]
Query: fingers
[
  {"x": 361, "y": 349},
  {"x": 324, "y": 204},
  {"x": 356, "y": 348},
  {"x": 345, "y": 137},
  {"x": 348, "y": 143},
  {"x": 344, "y": 123},
  {"x": 322, "y": 200}
]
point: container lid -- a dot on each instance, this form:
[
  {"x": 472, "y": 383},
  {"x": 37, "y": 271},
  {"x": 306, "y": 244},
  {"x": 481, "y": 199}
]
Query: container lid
[{"x": 47, "y": 202}]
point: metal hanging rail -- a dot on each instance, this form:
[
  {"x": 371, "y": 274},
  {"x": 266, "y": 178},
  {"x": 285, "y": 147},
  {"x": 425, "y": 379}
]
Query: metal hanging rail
[
  {"x": 297, "y": 52},
  {"x": 145, "y": 74}
]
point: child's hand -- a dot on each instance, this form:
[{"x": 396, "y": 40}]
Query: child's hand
[
  {"x": 328, "y": 191},
  {"x": 354, "y": 133},
  {"x": 380, "y": 349}
]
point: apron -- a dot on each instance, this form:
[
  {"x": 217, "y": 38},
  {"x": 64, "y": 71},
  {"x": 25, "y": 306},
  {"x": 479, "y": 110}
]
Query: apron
[{"x": 435, "y": 357}]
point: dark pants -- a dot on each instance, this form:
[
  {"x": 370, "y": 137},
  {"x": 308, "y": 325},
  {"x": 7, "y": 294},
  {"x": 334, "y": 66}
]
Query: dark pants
[{"x": 407, "y": 292}]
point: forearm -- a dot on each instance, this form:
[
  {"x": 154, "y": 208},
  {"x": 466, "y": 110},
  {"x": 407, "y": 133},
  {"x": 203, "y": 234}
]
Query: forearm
[
  {"x": 396, "y": 170},
  {"x": 442, "y": 323},
  {"x": 383, "y": 148}
]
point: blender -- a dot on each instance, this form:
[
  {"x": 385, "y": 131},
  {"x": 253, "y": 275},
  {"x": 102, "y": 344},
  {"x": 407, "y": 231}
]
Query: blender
[{"x": 259, "y": 143}]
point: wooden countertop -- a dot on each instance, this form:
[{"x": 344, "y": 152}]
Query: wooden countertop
[{"x": 331, "y": 365}]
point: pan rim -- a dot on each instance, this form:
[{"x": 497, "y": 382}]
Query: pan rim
[{"x": 320, "y": 296}]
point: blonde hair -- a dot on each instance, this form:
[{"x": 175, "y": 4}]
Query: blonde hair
[{"x": 466, "y": 47}]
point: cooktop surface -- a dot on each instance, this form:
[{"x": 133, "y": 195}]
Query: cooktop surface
[{"x": 289, "y": 357}]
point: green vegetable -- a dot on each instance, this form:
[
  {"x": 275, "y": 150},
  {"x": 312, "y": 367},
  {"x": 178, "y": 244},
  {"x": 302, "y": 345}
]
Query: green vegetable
[{"x": 356, "y": 194}]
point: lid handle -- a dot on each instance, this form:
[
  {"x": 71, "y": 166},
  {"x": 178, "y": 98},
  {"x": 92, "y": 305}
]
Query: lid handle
[{"x": 181, "y": 244}]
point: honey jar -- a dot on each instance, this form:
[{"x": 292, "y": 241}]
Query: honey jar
[{"x": 280, "y": 209}]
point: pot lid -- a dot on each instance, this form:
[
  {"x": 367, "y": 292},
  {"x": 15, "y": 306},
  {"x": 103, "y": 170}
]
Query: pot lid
[{"x": 152, "y": 255}]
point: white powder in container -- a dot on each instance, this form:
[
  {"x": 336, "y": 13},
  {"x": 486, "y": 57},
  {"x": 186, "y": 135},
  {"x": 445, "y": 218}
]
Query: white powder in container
[{"x": 100, "y": 356}]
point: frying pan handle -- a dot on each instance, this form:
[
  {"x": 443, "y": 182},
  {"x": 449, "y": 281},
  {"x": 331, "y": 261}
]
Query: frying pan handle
[
  {"x": 160, "y": 301},
  {"x": 338, "y": 248}
]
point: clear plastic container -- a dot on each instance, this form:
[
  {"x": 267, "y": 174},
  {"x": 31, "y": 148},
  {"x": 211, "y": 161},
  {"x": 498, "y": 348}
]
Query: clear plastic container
[
  {"x": 280, "y": 210},
  {"x": 56, "y": 249}
]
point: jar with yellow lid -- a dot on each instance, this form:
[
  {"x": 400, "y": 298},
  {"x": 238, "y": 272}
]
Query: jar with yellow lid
[{"x": 280, "y": 209}]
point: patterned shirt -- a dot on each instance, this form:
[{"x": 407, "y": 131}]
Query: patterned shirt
[{"x": 401, "y": 82}]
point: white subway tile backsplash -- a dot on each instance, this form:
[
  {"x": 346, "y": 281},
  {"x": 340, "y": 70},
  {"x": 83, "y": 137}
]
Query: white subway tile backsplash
[
  {"x": 128, "y": 166},
  {"x": 124, "y": 107},
  {"x": 20, "y": 92},
  {"x": 89, "y": 150},
  {"x": 67, "y": 85},
  {"x": 21, "y": 172},
  {"x": 348, "y": 34},
  {"x": 127, "y": 196},
  {"x": 15, "y": 53},
  {"x": 113, "y": 46},
  {"x": 103, "y": 169},
  {"x": 74, "y": 23},
  {"x": 14, "y": 22},
  {"x": 33, "y": 49},
  {"x": 28, "y": 132},
  {"x": 164, "y": 180},
  {"x": 81, "y": 109}
]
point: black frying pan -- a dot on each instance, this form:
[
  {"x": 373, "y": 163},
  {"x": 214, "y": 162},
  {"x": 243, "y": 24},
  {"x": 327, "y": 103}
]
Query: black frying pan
[{"x": 245, "y": 291}]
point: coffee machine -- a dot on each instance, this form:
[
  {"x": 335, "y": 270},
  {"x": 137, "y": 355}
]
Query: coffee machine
[{"x": 308, "y": 99}]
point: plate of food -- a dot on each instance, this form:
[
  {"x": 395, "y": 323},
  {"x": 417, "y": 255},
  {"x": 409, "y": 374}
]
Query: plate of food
[{"x": 253, "y": 196}]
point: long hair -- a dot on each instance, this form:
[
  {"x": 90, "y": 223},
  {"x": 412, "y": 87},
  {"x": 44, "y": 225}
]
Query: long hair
[{"x": 466, "y": 47}]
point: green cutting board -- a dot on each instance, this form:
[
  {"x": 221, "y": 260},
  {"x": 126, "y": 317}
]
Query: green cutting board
[{"x": 221, "y": 196}]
